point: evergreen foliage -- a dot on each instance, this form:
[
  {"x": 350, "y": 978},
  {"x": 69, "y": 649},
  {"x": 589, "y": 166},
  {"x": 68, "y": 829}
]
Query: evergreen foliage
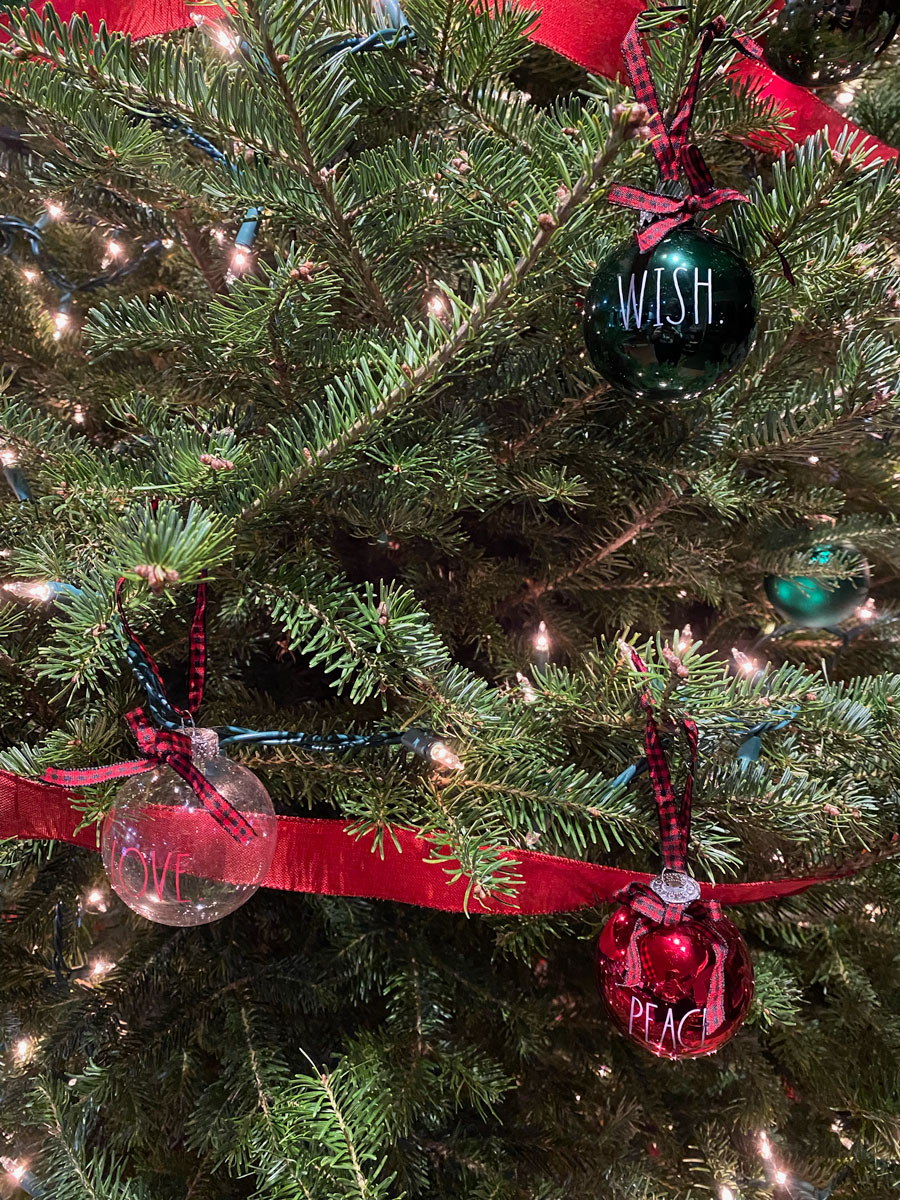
[{"x": 384, "y": 444}]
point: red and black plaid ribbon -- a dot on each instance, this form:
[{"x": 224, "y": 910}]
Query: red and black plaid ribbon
[
  {"x": 670, "y": 139},
  {"x": 652, "y": 912},
  {"x": 674, "y": 835},
  {"x": 167, "y": 746}
]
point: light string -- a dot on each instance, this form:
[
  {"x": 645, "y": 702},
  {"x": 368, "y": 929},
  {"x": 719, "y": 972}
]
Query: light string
[{"x": 14, "y": 228}]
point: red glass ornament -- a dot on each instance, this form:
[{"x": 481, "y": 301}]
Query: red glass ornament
[{"x": 666, "y": 1012}]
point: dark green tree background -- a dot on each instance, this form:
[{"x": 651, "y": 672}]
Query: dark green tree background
[{"x": 380, "y": 436}]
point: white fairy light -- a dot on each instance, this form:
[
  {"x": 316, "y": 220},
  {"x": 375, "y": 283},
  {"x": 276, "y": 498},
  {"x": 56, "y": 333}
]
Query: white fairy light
[
  {"x": 437, "y": 305},
  {"x": 79, "y": 416},
  {"x": 36, "y": 590},
  {"x": 8, "y": 456},
  {"x": 744, "y": 663},
  {"x": 168, "y": 243},
  {"x": 61, "y": 320},
  {"x": 725, "y": 1192},
  {"x": 100, "y": 967},
  {"x": 114, "y": 249},
  {"x": 866, "y": 612},
  {"x": 55, "y": 211},
  {"x": 813, "y": 459},
  {"x": 219, "y": 235},
  {"x": 226, "y": 38},
  {"x": 845, "y": 97},
  {"x": 765, "y": 1149},
  {"x": 240, "y": 259},
  {"x": 30, "y": 274},
  {"x": 542, "y": 639},
  {"x": 23, "y": 1049},
  {"x": 15, "y": 1170},
  {"x": 781, "y": 1178},
  {"x": 442, "y": 756},
  {"x": 96, "y": 900}
]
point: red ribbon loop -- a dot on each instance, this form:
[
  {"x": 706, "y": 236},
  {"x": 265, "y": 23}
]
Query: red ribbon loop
[
  {"x": 167, "y": 746},
  {"x": 670, "y": 139},
  {"x": 670, "y": 145},
  {"x": 670, "y": 211},
  {"x": 674, "y": 836},
  {"x": 652, "y": 910}
]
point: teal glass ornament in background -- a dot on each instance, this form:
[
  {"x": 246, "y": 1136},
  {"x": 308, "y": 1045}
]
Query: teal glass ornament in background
[
  {"x": 671, "y": 321},
  {"x": 816, "y": 603},
  {"x": 818, "y": 43}
]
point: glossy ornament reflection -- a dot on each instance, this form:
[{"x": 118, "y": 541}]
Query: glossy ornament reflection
[
  {"x": 169, "y": 859},
  {"x": 817, "y": 602},
  {"x": 667, "y": 1012},
  {"x": 672, "y": 321},
  {"x": 817, "y": 43}
]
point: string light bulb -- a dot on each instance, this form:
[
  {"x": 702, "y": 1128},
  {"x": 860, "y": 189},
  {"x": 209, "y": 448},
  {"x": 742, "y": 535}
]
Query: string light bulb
[
  {"x": 240, "y": 259},
  {"x": 30, "y": 274},
  {"x": 79, "y": 416},
  {"x": 100, "y": 967},
  {"x": 437, "y": 305},
  {"x": 96, "y": 900},
  {"x": 725, "y": 1192},
  {"x": 432, "y": 749},
  {"x": 781, "y": 1178},
  {"x": 8, "y": 456},
  {"x": 866, "y": 612},
  {"x": 55, "y": 211},
  {"x": 542, "y": 639},
  {"x": 15, "y": 1170},
  {"x": 226, "y": 38},
  {"x": 813, "y": 459},
  {"x": 765, "y": 1148},
  {"x": 114, "y": 249},
  {"x": 37, "y": 591},
  {"x": 529, "y": 695},
  {"x": 743, "y": 662},
  {"x": 23, "y": 1049}
]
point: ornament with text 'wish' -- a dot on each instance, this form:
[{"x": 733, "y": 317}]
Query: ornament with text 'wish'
[
  {"x": 674, "y": 320},
  {"x": 168, "y": 859},
  {"x": 673, "y": 311}
]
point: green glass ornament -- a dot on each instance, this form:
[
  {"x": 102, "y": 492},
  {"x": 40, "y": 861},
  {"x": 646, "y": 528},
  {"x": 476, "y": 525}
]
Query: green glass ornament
[
  {"x": 817, "y": 43},
  {"x": 815, "y": 603},
  {"x": 671, "y": 321}
]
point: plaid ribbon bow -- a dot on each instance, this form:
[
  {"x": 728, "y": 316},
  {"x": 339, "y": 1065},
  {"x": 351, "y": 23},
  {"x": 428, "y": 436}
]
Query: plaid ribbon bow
[
  {"x": 674, "y": 831},
  {"x": 168, "y": 745},
  {"x": 670, "y": 139}
]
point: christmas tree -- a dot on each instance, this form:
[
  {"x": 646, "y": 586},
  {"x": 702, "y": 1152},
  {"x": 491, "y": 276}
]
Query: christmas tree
[{"x": 293, "y": 310}]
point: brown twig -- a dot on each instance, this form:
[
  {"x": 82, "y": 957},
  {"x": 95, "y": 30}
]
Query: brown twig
[
  {"x": 537, "y": 589},
  {"x": 469, "y": 328}
]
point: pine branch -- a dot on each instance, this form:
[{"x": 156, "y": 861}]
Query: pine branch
[
  {"x": 494, "y": 301},
  {"x": 637, "y": 527},
  {"x": 321, "y": 180}
]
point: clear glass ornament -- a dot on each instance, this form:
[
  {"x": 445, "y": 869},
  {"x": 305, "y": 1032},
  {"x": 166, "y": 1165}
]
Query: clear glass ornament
[{"x": 169, "y": 859}]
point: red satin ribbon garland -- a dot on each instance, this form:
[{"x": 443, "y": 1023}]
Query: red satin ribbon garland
[
  {"x": 590, "y": 33},
  {"x": 324, "y": 857}
]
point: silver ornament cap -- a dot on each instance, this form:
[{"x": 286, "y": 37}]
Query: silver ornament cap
[{"x": 675, "y": 887}]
